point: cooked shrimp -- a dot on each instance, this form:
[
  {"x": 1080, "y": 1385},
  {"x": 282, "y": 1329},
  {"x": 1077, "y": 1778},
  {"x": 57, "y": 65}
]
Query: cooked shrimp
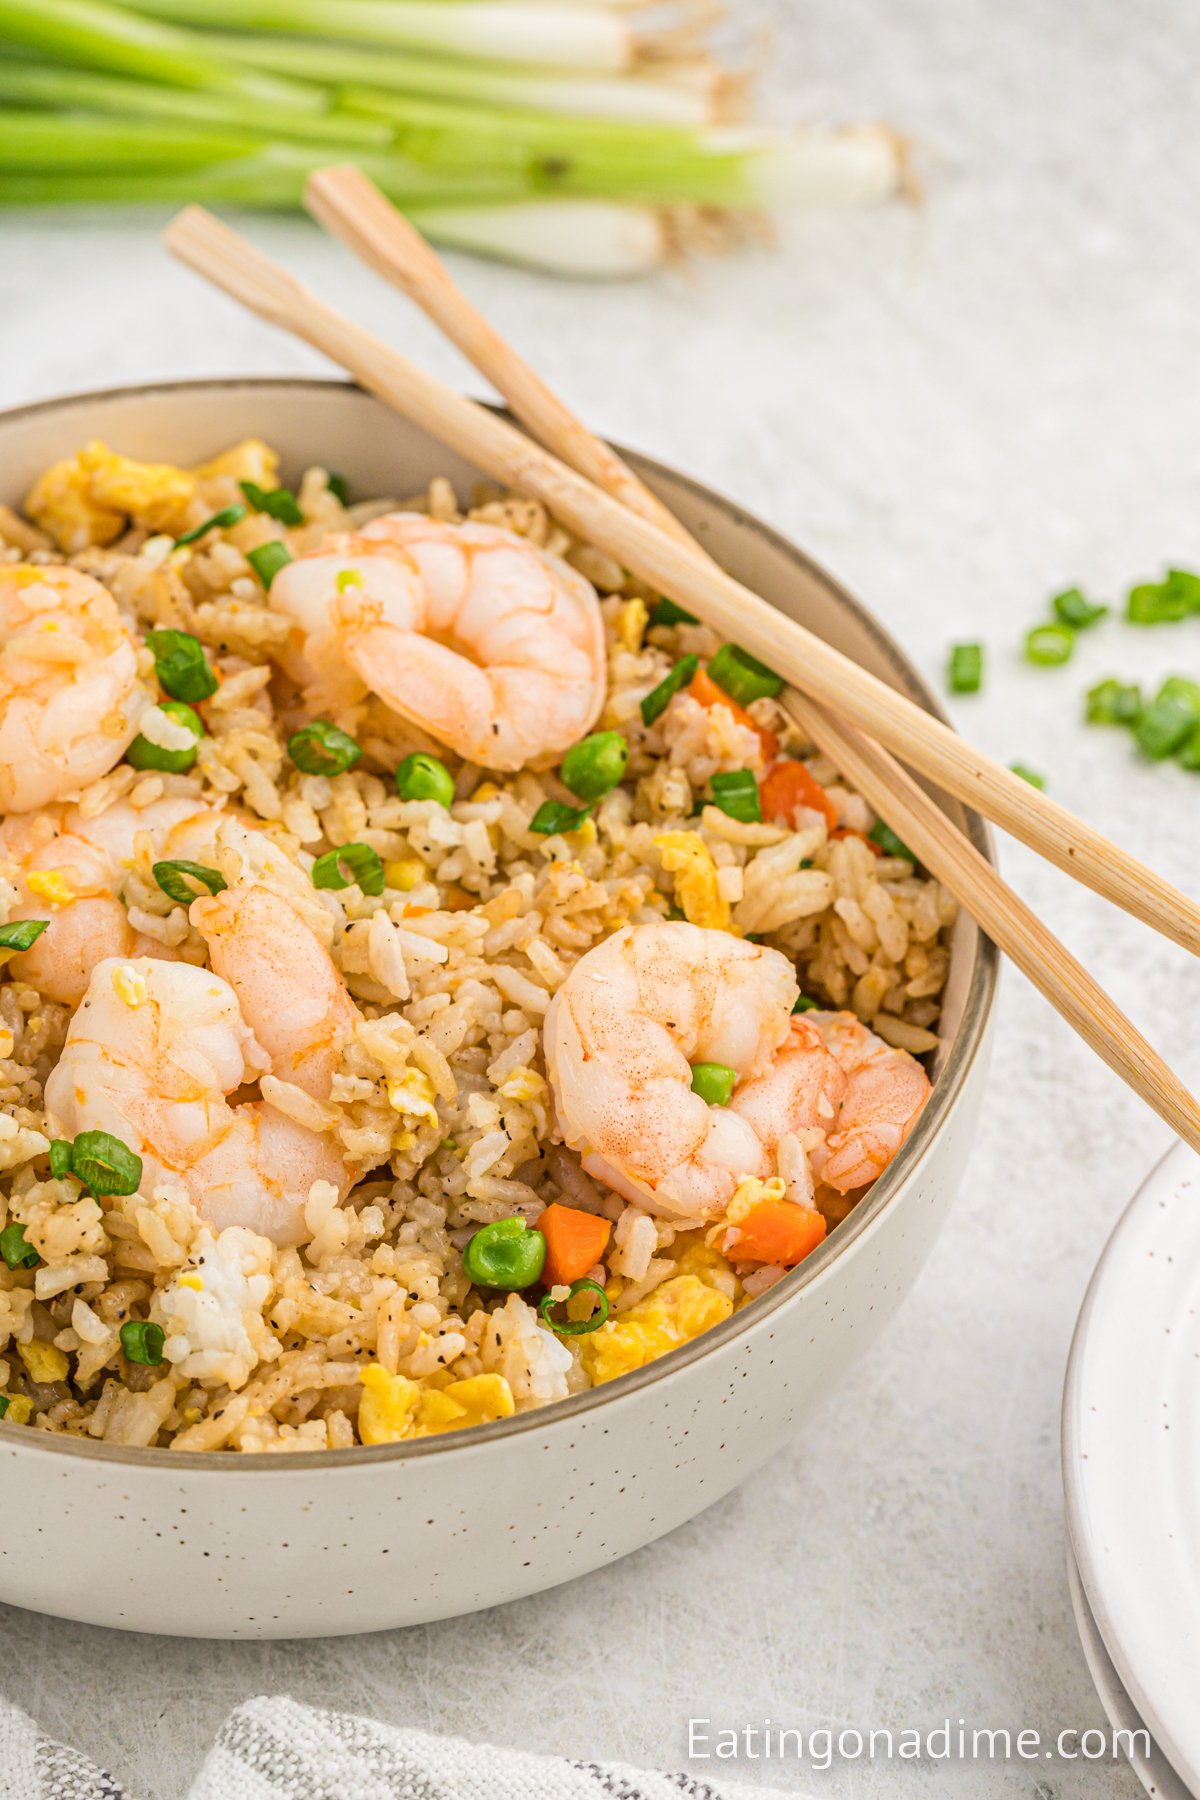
[
  {"x": 488, "y": 643},
  {"x": 885, "y": 1091},
  {"x": 70, "y": 697},
  {"x": 156, "y": 1047}
]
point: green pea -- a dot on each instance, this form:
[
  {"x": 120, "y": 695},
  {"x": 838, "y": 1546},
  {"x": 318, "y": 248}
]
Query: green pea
[
  {"x": 423, "y": 777},
  {"x": 145, "y": 755},
  {"x": 713, "y": 1082},
  {"x": 595, "y": 765},
  {"x": 506, "y": 1254}
]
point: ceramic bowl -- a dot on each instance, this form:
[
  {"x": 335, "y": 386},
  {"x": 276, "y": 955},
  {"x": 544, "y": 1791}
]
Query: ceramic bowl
[{"x": 358, "y": 1540}]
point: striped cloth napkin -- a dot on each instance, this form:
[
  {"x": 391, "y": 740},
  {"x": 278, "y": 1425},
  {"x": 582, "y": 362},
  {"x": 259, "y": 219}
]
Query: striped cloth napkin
[{"x": 280, "y": 1750}]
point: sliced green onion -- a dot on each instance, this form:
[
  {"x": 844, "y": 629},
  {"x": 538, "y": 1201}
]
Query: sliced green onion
[
  {"x": 595, "y": 765},
  {"x": 1049, "y": 645},
  {"x": 142, "y": 1341},
  {"x": 323, "y": 748},
  {"x": 1072, "y": 607},
  {"x": 552, "y": 817},
  {"x": 1158, "y": 603},
  {"x": 1029, "y": 775},
  {"x": 1113, "y": 702},
  {"x": 143, "y": 754},
  {"x": 965, "y": 671},
  {"x": 339, "y": 488},
  {"x": 220, "y": 521},
  {"x": 279, "y": 503},
  {"x": 1164, "y": 726},
  {"x": 804, "y": 1004},
  {"x": 714, "y": 1082},
  {"x": 182, "y": 668},
  {"x": 889, "y": 843},
  {"x": 576, "y": 1327},
  {"x": 21, "y": 934},
  {"x": 174, "y": 879},
  {"x": 742, "y": 676},
  {"x": 104, "y": 1164},
  {"x": 665, "y": 612},
  {"x": 658, "y": 699},
  {"x": 349, "y": 863},
  {"x": 422, "y": 777},
  {"x": 60, "y": 1157},
  {"x": 1188, "y": 754},
  {"x": 735, "y": 792},
  {"x": 17, "y": 1253},
  {"x": 3, "y": 1405},
  {"x": 1178, "y": 687},
  {"x": 268, "y": 559}
]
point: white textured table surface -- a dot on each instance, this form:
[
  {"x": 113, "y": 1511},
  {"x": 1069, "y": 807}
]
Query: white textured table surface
[{"x": 959, "y": 410}]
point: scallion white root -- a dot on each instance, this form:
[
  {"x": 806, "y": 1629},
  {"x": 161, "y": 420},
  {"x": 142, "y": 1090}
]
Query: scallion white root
[{"x": 591, "y": 239}]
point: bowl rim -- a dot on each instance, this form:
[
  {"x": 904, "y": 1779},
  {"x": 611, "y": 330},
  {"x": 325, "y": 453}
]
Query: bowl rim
[{"x": 562, "y": 1414}]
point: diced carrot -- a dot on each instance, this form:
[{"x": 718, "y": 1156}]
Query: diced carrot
[
  {"x": 703, "y": 688},
  {"x": 848, "y": 831},
  {"x": 787, "y": 785},
  {"x": 575, "y": 1242},
  {"x": 775, "y": 1231}
]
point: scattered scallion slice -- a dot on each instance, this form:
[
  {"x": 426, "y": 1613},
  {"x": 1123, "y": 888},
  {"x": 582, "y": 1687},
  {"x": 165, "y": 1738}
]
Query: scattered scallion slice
[
  {"x": 3, "y": 1405},
  {"x": 174, "y": 878},
  {"x": 60, "y": 1157},
  {"x": 1030, "y": 775},
  {"x": 576, "y": 1327},
  {"x": 889, "y": 843},
  {"x": 144, "y": 753},
  {"x": 805, "y": 1004},
  {"x": 1048, "y": 646},
  {"x": 552, "y": 817},
  {"x": 1188, "y": 754},
  {"x": 665, "y": 612},
  {"x": 735, "y": 792},
  {"x": 1164, "y": 726},
  {"x": 220, "y": 521},
  {"x": 714, "y": 1082},
  {"x": 182, "y": 668},
  {"x": 278, "y": 503},
  {"x": 965, "y": 669},
  {"x": 268, "y": 559},
  {"x": 1073, "y": 608},
  {"x": 104, "y": 1164},
  {"x": 742, "y": 676},
  {"x": 16, "y": 1251},
  {"x": 339, "y": 488},
  {"x": 21, "y": 934},
  {"x": 1113, "y": 702},
  {"x": 1161, "y": 602},
  {"x": 656, "y": 702},
  {"x": 350, "y": 863},
  {"x": 142, "y": 1341},
  {"x": 322, "y": 748}
]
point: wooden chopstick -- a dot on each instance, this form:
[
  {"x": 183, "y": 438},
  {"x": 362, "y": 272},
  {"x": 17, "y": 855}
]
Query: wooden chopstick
[
  {"x": 351, "y": 206},
  {"x": 676, "y": 569}
]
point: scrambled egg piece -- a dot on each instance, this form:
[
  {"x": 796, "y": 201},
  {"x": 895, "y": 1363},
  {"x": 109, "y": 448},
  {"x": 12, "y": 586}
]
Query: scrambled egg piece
[
  {"x": 61, "y": 502},
  {"x": 129, "y": 985},
  {"x": 394, "y": 1407},
  {"x": 686, "y": 856},
  {"x": 45, "y": 1362},
  {"x": 49, "y": 885},
  {"x": 673, "y": 1314},
  {"x": 19, "y": 1410},
  {"x": 632, "y": 619},
  {"x": 89, "y": 498},
  {"x": 251, "y": 460},
  {"x": 413, "y": 1095}
]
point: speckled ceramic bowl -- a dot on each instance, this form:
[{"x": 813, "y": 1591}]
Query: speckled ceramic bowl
[{"x": 356, "y": 1540}]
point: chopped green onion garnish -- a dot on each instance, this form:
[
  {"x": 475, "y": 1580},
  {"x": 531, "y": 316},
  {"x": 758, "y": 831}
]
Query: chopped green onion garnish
[
  {"x": 1178, "y": 687},
  {"x": 17, "y": 1253},
  {"x": 349, "y": 863},
  {"x": 3, "y": 1405},
  {"x": 144, "y": 754},
  {"x": 595, "y": 765},
  {"x": 60, "y": 1157},
  {"x": 658, "y": 699},
  {"x": 268, "y": 559},
  {"x": 21, "y": 934},
  {"x": 228, "y": 515},
  {"x": 339, "y": 488},
  {"x": 736, "y": 794},
  {"x": 104, "y": 1164},
  {"x": 174, "y": 879},
  {"x": 889, "y": 843},
  {"x": 552, "y": 817},
  {"x": 422, "y": 777},
  {"x": 964, "y": 673},
  {"x": 1188, "y": 754},
  {"x": 1073, "y": 608},
  {"x": 804, "y": 1004},
  {"x": 1049, "y": 645},
  {"x": 1164, "y": 726},
  {"x": 180, "y": 663},
  {"x": 713, "y": 1082},
  {"x": 1029, "y": 775},
  {"x": 1162, "y": 602},
  {"x": 665, "y": 612},
  {"x": 1113, "y": 702},
  {"x": 279, "y": 503},
  {"x": 323, "y": 749},
  {"x": 142, "y": 1341},
  {"x": 576, "y": 1327},
  {"x": 742, "y": 676}
]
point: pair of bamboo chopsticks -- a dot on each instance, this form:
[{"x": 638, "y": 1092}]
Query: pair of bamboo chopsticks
[{"x": 601, "y": 499}]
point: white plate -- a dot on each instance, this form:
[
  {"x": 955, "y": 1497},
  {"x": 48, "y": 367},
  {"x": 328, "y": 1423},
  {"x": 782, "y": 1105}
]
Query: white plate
[{"x": 1131, "y": 1455}]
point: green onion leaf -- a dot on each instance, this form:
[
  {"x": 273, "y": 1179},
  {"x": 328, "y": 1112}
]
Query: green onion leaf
[
  {"x": 279, "y": 503},
  {"x": 144, "y": 754},
  {"x": 17, "y": 1253},
  {"x": 576, "y": 1327},
  {"x": 339, "y": 488},
  {"x": 1029, "y": 775},
  {"x": 174, "y": 878},
  {"x": 323, "y": 748},
  {"x": 1178, "y": 687},
  {"x": 552, "y": 817},
  {"x": 665, "y": 612},
  {"x": 1049, "y": 645},
  {"x": 736, "y": 794},
  {"x": 658, "y": 699},
  {"x": 21, "y": 934},
  {"x": 104, "y": 1164},
  {"x": 1073, "y": 608},
  {"x": 142, "y": 1341},
  {"x": 1160, "y": 602},
  {"x": 1164, "y": 726},
  {"x": 804, "y": 1004},
  {"x": 964, "y": 673},
  {"x": 1113, "y": 702},
  {"x": 60, "y": 1157},
  {"x": 228, "y": 515},
  {"x": 1188, "y": 754},
  {"x": 268, "y": 559},
  {"x": 422, "y": 777},
  {"x": 742, "y": 676},
  {"x": 3, "y": 1405},
  {"x": 179, "y": 661},
  {"x": 713, "y": 1082},
  {"x": 889, "y": 843},
  {"x": 349, "y": 863},
  {"x": 594, "y": 766}
]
